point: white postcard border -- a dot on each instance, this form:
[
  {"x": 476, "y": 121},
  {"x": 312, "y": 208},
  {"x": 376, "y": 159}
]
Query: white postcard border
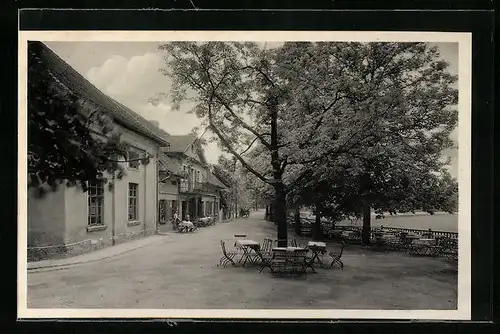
[{"x": 464, "y": 172}]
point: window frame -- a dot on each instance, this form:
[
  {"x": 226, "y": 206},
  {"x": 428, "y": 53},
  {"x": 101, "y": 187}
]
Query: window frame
[
  {"x": 136, "y": 202},
  {"x": 98, "y": 194}
]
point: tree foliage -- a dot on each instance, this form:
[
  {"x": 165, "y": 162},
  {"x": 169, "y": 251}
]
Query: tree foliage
[{"x": 315, "y": 120}]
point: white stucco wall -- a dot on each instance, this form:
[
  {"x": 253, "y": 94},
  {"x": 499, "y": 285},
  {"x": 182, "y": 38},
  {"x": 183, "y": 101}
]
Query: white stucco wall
[
  {"x": 61, "y": 217},
  {"x": 46, "y": 218}
]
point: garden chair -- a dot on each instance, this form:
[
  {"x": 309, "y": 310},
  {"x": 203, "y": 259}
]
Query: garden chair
[
  {"x": 267, "y": 245},
  {"x": 266, "y": 260},
  {"x": 227, "y": 256},
  {"x": 336, "y": 257}
]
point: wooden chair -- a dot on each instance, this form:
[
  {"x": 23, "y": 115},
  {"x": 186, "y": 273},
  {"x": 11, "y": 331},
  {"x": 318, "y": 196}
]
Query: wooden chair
[
  {"x": 227, "y": 257},
  {"x": 267, "y": 245},
  {"x": 266, "y": 260},
  {"x": 337, "y": 257}
]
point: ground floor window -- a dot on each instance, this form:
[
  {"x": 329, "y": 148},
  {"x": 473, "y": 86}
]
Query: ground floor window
[
  {"x": 133, "y": 197},
  {"x": 95, "y": 214}
]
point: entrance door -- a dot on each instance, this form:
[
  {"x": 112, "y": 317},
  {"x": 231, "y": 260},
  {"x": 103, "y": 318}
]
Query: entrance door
[
  {"x": 184, "y": 210},
  {"x": 192, "y": 208}
]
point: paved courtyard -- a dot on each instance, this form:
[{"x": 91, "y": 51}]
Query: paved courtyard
[{"x": 180, "y": 271}]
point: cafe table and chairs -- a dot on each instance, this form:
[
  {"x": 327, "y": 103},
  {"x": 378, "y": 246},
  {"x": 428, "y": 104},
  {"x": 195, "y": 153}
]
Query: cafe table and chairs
[
  {"x": 249, "y": 248},
  {"x": 318, "y": 249}
]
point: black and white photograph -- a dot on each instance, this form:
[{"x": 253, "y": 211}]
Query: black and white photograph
[{"x": 258, "y": 174}]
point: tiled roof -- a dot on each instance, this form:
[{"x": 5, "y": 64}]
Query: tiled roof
[
  {"x": 180, "y": 143},
  {"x": 212, "y": 179},
  {"x": 81, "y": 87},
  {"x": 170, "y": 164}
]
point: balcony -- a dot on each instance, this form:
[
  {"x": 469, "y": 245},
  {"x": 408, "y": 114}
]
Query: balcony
[{"x": 193, "y": 187}]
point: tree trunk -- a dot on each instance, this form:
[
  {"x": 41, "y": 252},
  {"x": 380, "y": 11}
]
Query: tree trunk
[
  {"x": 280, "y": 215},
  {"x": 298, "y": 223},
  {"x": 267, "y": 213},
  {"x": 271, "y": 213},
  {"x": 365, "y": 235},
  {"x": 317, "y": 231},
  {"x": 236, "y": 209}
]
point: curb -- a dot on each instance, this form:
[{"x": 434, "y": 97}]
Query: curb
[{"x": 65, "y": 265}]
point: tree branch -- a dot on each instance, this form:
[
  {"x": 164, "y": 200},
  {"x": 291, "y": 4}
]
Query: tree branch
[
  {"x": 226, "y": 105},
  {"x": 226, "y": 143},
  {"x": 253, "y": 141}
]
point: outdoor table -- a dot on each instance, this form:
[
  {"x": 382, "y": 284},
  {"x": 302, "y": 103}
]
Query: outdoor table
[
  {"x": 288, "y": 249},
  {"x": 409, "y": 238},
  {"x": 247, "y": 246},
  {"x": 424, "y": 246},
  {"x": 290, "y": 260},
  {"x": 317, "y": 248},
  {"x": 350, "y": 234},
  {"x": 205, "y": 221},
  {"x": 188, "y": 225},
  {"x": 391, "y": 241}
]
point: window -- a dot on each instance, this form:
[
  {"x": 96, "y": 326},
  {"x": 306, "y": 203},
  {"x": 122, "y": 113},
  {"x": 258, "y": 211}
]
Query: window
[
  {"x": 95, "y": 214},
  {"x": 174, "y": 182},
  {"x": 198, "y": 178},
  {"x": 133, "y": 194}
]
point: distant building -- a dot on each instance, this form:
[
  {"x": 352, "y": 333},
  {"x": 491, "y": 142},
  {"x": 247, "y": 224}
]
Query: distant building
[
  {"x": 69, "y": 221},
  {"x": 187, "y": 184}
]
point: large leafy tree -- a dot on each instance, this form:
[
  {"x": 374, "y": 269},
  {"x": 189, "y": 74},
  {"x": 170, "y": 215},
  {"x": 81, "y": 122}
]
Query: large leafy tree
[
  {"x": 238, "y": 93},
  {"x": 70, "y": 140},
  {"x": 308, "y": 104}
]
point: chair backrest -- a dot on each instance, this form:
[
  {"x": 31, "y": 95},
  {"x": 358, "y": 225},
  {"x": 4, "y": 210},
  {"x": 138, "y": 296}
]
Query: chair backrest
[
  {"x": 223, "y": 246},
  {"x": 267, "y": 245},
  {"x": 342, "y": 245}
]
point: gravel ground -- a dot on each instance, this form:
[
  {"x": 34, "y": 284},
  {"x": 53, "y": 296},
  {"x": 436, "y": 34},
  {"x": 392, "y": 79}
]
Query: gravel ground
[{"x": 181, "y": 272}]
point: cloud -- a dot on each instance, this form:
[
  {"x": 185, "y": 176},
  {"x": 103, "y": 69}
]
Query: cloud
[{"x": 133, "y": 81}]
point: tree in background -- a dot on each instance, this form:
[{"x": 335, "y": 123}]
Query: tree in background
[{"x": 403, "y": 98}]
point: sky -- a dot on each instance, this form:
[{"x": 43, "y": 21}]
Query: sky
[{"x": 129, "y": 72}]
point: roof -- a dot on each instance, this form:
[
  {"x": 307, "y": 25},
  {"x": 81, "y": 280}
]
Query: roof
[
  {"x": 180, "y": 143},
  {"x": 212, "y": 179},
  {"x": 170, "y": 164},
  {"x": 81, "y": 87}
]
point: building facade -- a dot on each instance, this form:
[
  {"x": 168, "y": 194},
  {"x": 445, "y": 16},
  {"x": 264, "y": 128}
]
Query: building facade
[
  {"x": 69, "y": 221},
  {"x": 187, "y": 185}
]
